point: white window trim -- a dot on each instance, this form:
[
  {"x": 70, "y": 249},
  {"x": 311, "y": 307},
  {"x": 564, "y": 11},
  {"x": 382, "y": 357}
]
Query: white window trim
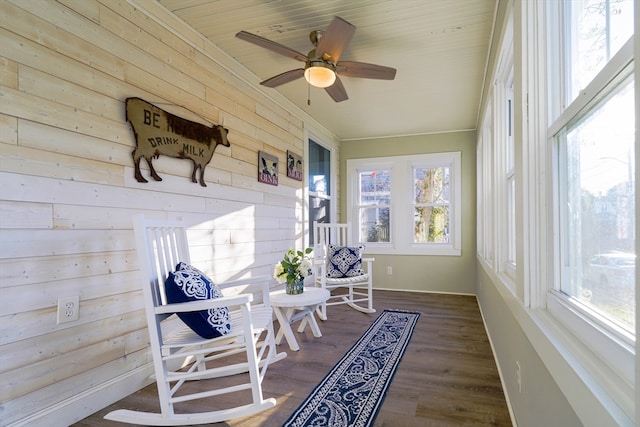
[
  {"x": 613, "y": 349},
  {"x": 505, "y": 79},
  {"x": 600, "y": 393},
  {"x": 609, "y": 352},
  {"x": 602, "y": 355},
  {"x": 326, "y": 142},
  {"x": 496, "y": 174},
  {"x": 401, "y": 202},
  {"x": 486, "y": 203}
]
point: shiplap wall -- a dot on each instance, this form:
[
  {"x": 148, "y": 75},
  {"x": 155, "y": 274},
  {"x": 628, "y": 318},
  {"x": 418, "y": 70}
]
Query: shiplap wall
[{"x": 67, "y": 192}]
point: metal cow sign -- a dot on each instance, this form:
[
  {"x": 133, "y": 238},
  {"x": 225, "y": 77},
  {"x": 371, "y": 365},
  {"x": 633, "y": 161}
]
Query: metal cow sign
[{"x": 159, "y": 132}]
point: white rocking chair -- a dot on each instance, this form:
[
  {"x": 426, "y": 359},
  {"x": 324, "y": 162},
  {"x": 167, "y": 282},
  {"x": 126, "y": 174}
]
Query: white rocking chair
[
  {"x": 181, "y": 356},
  {"x": 357, "y": 291}
]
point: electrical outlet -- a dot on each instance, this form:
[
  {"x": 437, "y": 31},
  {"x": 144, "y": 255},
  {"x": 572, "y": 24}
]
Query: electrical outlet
[
  {"x": 68, "y": 309},
  {"x": 389, "y": 270},
  {"x": 519, "y": 376}
]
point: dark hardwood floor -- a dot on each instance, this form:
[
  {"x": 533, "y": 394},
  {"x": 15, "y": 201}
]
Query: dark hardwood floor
[{"x": 447, "y": 376}]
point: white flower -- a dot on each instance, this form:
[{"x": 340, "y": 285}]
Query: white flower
[
  {"x": 279, "y": 273},
  {"x": 305, "y": 268},
  {"x": 294, "y": 267}
]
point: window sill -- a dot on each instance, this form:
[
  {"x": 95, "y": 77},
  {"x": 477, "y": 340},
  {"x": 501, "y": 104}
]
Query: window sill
[
  {"x": 597, "y": 396},
  {"x": 609, "y": 360},
  {"x": 389, "y": 249},
  {"x": 580, "y": 374}
]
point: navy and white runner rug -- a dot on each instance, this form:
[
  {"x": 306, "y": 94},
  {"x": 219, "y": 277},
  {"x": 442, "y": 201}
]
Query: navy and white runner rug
[{"x": 352, "y": 393}]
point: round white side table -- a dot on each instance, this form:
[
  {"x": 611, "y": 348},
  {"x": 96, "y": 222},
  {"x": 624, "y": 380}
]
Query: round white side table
[{"x": 291, "y": 308}]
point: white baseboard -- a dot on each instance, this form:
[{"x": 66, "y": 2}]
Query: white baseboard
[
  {"x": 422, "y": 291},
  {"x": 90, "y": 401}
]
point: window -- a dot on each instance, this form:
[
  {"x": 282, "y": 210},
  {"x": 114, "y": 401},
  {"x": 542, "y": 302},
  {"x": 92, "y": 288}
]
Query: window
[
  {"x": 374, "y": 205},
  {"x": 597, "y": 30},
  {"x": 319, "y": 186},
  {"x": 431, "y": 204},
  {"x": 592, "y": 140},
  {"x": 596, "y": 201},
  {"x": 566, "y": 173},
  {"x": 510, "y": 179},
  {"x": 406, "y": 204},
  {"x": 485, "y": 204},
  {"x": 506, "y": 169},
  {"x": 497, "y": 166}
]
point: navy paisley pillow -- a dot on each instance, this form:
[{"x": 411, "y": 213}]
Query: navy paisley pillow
[
  {"x": 344, "y": 261},
  {"x": 188, "y": 283}
]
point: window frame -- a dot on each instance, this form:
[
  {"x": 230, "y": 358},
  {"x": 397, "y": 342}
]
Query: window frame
[
  {"x": 486, "y": 204},
  {"x": 596, "y": 343},
  {"x": 570, "y": 343},
  {"x": 611, "y": 350},
  {"x": 323, "y": 141},
  {"x": 509, "y": 261},
  {"x": 497, "y": 160},
  {"x": 358, "y": 207},
  {"x": 402, "y": 203},
  {"x": 506, "y": 164}
]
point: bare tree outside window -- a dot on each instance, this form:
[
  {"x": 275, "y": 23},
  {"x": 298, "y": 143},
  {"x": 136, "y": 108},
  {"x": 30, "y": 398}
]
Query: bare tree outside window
[
  {"x": 431, "y": 211},
  {"x": 597, "y": 171},
  {"x": 374, "y": 205}
]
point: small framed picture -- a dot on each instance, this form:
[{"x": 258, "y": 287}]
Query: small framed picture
[
  {"x": 267, "y": 168},
  {"x": 294, "y": 166}
]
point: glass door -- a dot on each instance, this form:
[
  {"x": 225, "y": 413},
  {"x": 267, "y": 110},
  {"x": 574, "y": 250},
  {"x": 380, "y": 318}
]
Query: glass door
[{"x": 319, "y": 186}]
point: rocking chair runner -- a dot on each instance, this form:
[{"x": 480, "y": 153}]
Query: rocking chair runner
[
  {"x": 357, "y": 289},
  {"x": 182, "y": 356}
]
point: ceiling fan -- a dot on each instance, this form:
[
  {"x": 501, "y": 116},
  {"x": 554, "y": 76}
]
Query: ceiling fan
[{"x": 322, "y": 64}]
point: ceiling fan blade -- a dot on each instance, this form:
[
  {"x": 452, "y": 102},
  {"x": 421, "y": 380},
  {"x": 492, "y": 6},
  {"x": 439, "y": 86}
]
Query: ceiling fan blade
[
  {"x": 334, "y": 39},
  {"x": 337, "y": 91},
  {"x": 364, "y": 70},
  {"x": 286, "y": 77},
  {"x": 272, "y": 46}
]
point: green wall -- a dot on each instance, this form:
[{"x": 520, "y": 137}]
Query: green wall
[
  {"x": 537, "y": 400},
  {"x": 455, "y": 274}
]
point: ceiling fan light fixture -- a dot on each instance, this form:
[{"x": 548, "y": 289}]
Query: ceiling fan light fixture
[{"x": 320, "y": 74}]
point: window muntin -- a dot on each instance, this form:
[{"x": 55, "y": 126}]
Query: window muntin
[
  {"x": 597, "y": 190},
  {"x": 374, "y": 201}
]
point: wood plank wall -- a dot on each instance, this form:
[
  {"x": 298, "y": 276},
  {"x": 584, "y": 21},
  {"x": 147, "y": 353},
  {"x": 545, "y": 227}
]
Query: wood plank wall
[{"x": 67, "y": 192}]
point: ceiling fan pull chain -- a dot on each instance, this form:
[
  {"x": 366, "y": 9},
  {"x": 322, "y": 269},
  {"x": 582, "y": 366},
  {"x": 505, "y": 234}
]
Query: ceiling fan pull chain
[{"x": 308, "y": 94}]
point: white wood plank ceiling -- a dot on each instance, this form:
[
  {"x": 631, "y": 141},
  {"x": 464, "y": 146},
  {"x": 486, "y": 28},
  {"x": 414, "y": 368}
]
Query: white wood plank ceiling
[{"x": 439, "y": 48}]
